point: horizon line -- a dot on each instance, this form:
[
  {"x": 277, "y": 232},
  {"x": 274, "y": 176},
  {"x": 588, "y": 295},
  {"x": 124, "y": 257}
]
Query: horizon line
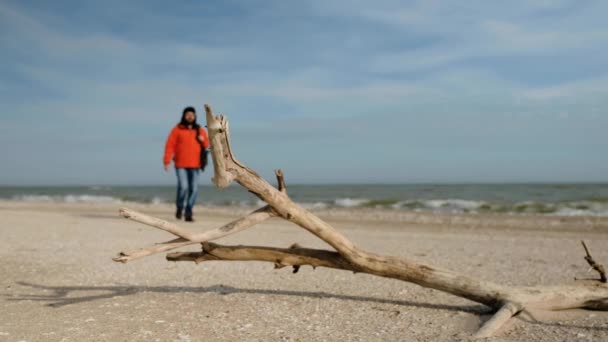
[{"x": 594, "y": 182}]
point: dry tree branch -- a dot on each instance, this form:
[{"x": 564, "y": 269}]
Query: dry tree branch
[
  {"x": 501, "y": 317},
  {"x": 281, "y": 257},
  {"x": 186, "y": 237},
  {"x": 507, "y": 300},
  {"x": 598, "y": 267}
]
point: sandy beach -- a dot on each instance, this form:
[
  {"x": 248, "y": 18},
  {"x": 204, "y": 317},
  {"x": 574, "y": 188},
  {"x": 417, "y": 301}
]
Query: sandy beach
[{"x": 59, "y": 283}]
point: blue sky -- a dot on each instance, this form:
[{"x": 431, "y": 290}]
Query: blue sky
[{"x": 327, "y": 90}]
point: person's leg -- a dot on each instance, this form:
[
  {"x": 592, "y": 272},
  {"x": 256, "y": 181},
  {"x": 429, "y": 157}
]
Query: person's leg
[
  {"x": 182, "y": 186},
  {"x": 192, "y": 191}
]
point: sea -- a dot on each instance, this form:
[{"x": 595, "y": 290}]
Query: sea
[{"x": 541, "y": 199}]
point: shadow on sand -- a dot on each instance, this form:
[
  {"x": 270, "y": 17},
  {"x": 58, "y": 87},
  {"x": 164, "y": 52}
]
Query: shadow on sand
[{"x": 58, "y": 296}]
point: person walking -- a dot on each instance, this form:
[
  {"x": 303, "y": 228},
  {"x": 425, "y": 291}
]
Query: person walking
[{"x": 185, "y": 146}]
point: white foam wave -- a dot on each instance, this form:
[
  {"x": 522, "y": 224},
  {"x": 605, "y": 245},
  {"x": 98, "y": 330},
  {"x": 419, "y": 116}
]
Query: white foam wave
[
  {"x": 33, "y": 198},
  {"x": 455, "y": 204},
  {"x": 314, "y": 205},
  {"x": 350, "y": 202},
  {"x": 90, "y": 199},
  {"x": 67, "y": 198},
  {"x": 156, "y": 200},
  {"x": 582, "y": 208}
]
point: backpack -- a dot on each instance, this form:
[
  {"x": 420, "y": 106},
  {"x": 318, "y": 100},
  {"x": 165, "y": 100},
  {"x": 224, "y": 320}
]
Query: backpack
[{"x": 204, "y": 151}]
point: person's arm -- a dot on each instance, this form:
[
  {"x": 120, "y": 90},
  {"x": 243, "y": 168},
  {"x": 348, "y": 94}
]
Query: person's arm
[
  {"x": 170, "y": 148},
  {"x": 203, "y": 138}
]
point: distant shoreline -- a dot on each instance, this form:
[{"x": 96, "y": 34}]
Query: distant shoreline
[
  {"x": 325, "y": 184},
  {"x": 548, "y": 199},
  {"x": 373, "y": 217}
]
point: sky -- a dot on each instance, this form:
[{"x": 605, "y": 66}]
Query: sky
[{"x": 330, "y": 91}]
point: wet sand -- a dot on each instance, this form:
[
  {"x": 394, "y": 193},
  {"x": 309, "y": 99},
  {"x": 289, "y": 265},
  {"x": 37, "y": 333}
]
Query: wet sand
[{"x": 58, "y": 282}]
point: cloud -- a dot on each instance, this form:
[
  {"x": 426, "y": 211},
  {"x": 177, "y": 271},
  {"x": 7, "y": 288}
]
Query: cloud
[
  {"x": 491, "y": 38},
  {"x": 582, "y": 89},
  {"x": 510, "y": 38}
]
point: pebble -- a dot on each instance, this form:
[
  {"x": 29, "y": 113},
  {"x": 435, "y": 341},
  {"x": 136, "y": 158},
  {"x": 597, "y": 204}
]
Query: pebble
[{"x": 183, "y": 337}]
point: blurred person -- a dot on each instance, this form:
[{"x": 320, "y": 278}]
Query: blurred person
[{"x": 186, "y": 145}]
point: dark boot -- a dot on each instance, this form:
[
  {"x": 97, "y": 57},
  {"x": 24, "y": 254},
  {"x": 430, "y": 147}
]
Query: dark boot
[
  {"x": 178, "y": 214},
  {"x": 188, "y": 215}
]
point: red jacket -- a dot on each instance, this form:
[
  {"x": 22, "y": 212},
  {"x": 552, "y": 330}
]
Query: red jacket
[{"x": 184, "y": 148}]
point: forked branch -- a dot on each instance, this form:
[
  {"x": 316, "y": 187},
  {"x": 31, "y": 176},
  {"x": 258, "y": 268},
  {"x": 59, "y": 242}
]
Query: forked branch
[
  {"x": 186, "y": 237},
  {"x": 598, "y": 267}
]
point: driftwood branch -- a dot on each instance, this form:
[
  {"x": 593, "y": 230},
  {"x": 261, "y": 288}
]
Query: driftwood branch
[
  {"x": 281, "y": 180},
  {"x": 498, "y": 320},
  {"x": 281, "y": 257},
  {"x": 507, "y": 300},
  {"x": 598, "y": 267},
  {"x": 186, "y": 237}
]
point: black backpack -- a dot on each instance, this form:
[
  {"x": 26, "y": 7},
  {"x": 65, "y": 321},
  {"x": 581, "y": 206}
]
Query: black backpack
[{"x": 204, "y": 151}]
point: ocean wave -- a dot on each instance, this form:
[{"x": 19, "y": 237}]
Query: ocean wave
[
  {"x": 90, "y": 199},
  {"x": 447, "y": 205},
  {"x": 157, "y": 200},
  {"x": 67, "y": 198},
  {"x": 455, "y": 205},
  {"x": 586, "y": 207},
  {"x": 34, "y": 198},
  {"x": 237, "y": 203},
  {"x": 314, "y": 205},
  {"x": 350, "y": 202},
  {"x": 99, "y": 188},
  {"x": 582, "y": 208}
]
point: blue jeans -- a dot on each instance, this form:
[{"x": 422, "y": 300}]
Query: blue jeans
[{"x": 187, "y": 185}]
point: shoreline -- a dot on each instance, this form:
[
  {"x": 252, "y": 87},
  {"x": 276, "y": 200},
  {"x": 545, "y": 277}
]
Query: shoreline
[
  {"x": 516, "y": 199},
  {"x": 368, "y": 215}
]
